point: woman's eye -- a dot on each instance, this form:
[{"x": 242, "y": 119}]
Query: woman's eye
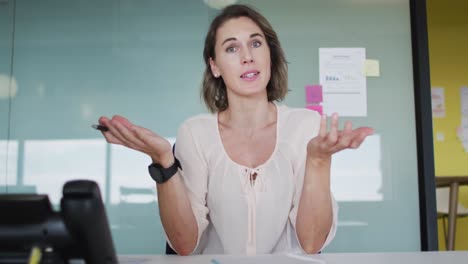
[
  {"x": 231, "y": 49},
  {"x": 256, "y": 44}
]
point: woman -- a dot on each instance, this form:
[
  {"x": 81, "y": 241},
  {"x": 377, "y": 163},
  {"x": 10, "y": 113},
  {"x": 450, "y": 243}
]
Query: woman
[{"x": 255, "y": 175}]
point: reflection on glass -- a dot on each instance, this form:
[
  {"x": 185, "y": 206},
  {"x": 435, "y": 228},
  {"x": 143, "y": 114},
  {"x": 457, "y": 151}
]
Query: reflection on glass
[
  {"x": 357, "y": 174},
  {"x": 9, "y": 155},
  {"x": 48, "y": 164},
  {"x": 130, "y": 181},
  {"x": 352, "y": 223},
  {"x": 133, "y": 207},
  {"x": 8, "y": 86}
]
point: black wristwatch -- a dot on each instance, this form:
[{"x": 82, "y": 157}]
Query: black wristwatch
[{"x": 161, "y": 174}]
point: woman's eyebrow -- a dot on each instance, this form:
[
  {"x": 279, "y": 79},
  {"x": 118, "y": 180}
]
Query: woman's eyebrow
[
  {"x": 233, "y": 39},
  {"x": 256, "y": 35},
  {"x": 227, "y": 40}
]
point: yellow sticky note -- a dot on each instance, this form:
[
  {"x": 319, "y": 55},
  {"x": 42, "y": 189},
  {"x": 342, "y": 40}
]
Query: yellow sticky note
[{"x": 372, "y": 68}]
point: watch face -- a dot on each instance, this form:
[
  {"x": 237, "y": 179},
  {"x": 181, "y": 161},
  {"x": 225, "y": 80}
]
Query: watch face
[
  {"x": 156, "y": 174},
  {"x": 160, "y": 174}
]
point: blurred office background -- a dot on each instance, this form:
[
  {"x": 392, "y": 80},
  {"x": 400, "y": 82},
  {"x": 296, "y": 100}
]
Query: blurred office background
[{"x": 448, "y": 54}]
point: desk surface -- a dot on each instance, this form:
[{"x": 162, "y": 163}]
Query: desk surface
[
  {"x": 452, "y": 257},
  {"x": 443, "y": 181}
]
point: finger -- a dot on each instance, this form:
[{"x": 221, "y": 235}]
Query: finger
[
  {"x": 146, "y": 131},
  {"x": 323, "y": 126},
  {"x": 348, "y": 127},
  {"x": 149, "y": 138},
  {"x": 333, "y": 134},
  {"x": 131, "y": 140},
  {"x": 356, "y": 143},
  {"x": 346, "y": 134},
  {"x": 114, "y": 129},
  {"x": 110, "y": 138},
  {"x": 122, "y": 120},
  {"x": 103, "y": 120},
  {"x": 142, "y": 134},
  {"x": 368, "y": 130},
  {"x": 345, "y": 137},
  {"x": 154, "y": 143},
  {"x": 360, "y": 135}
]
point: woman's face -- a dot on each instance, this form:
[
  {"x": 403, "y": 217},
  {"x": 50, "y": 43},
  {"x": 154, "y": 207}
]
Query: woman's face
[{"x": 242, "y": 58}]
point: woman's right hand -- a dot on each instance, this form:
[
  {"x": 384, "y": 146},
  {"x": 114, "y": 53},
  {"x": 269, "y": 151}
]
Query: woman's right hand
[{"x": 123, "y": 132}]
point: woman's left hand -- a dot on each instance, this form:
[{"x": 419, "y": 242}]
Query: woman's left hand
[{"x": 325, "y": 144}]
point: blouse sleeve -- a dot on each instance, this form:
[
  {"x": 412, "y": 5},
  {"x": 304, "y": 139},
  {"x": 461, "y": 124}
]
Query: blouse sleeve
[
  {"x": 310, "y": 125},
  {"x": 194, "y": 174}
]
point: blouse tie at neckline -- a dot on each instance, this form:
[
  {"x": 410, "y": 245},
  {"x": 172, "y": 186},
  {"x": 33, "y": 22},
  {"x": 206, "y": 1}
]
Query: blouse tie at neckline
[{"x": 251, "y": 178}]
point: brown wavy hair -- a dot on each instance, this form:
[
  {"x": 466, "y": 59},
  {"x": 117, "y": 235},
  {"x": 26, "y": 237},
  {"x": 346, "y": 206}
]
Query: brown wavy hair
[{"x": 214, "y": 89}]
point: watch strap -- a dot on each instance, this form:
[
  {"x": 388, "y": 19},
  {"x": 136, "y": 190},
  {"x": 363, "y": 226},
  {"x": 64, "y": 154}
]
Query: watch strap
[{"x": 164, "y": 173}]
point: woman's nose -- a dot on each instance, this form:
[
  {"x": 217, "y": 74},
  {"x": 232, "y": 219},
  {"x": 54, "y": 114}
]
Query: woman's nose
[{"x": 247, "y": 57}]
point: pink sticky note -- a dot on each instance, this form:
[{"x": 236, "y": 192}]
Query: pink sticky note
[
  {"x": 317, "y": 108},
  {"x": 313, "y": 94}
]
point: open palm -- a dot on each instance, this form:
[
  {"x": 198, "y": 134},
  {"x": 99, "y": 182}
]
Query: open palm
[
  {"x": 326, "y": 143},
  {"x": 123, "y": 132}
]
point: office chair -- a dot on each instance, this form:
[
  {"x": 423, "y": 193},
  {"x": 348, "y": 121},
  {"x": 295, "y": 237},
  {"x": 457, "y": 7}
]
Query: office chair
[
  {"x": 443, "y": 197},
  {"x": 169, "y": 250}
]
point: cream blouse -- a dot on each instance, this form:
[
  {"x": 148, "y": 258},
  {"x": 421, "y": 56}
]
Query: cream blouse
[{"x": 234, "y": 214}]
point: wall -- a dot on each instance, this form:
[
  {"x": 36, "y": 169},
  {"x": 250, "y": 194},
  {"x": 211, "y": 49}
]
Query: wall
[{"x": 448, "y": 55}]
